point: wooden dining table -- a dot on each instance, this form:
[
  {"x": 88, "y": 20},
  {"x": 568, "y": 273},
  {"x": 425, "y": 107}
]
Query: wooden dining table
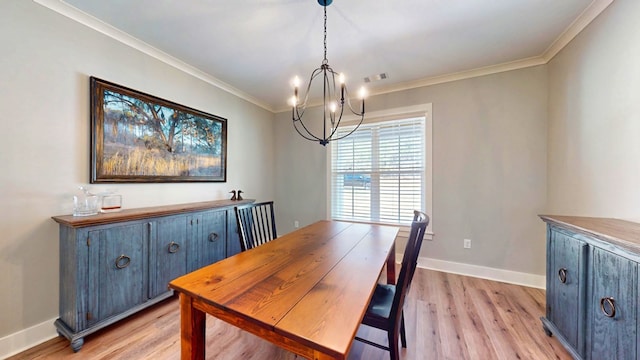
[{"x": 306, "y": 291}]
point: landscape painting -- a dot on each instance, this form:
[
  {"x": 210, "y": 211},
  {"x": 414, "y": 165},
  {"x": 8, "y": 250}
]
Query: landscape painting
[{"x": 136, "y": 137}]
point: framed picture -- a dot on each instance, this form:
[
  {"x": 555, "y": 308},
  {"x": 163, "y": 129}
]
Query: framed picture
[{"x": 136, "y": 137}]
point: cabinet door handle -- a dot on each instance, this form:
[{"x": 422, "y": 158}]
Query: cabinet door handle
[
  {"x": 123, "y": 261},
  {"x": 608, "y": 306},
  {"x": 562, "y": 275},
  {"x": 173, "y": 247},
  {"x": 213, "y": 237}
]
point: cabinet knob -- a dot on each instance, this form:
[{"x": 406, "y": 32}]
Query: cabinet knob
[
  {"x": 213, "y": 237},
  {"x": 562, "y": 275},
  {"x": 173, "y": 247},
  {"x": 608, "y": 306},
  {"x": 123, "y": 261}
]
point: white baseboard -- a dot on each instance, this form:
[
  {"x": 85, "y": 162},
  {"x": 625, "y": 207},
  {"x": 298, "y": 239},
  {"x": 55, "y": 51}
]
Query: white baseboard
[
  {"x": 507, "y": 276},
  {"x": 25, "y": 339}
]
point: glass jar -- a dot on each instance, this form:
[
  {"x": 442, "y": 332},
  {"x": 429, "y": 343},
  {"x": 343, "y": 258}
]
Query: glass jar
[
  {"x": 111, "y": 202},
  {"x": 85, "y": 203}
]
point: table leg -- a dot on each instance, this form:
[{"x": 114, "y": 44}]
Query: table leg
[
  {"x": 192, "y": 329},
  {"x": 391, "y": 265}
]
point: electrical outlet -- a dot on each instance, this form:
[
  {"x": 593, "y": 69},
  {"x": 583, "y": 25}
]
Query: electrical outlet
[
  {"x": 296, "y": 224},
  {"x": 467, "y": 243}
]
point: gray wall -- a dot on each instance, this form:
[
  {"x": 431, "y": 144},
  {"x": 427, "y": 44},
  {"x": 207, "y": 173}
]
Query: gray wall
[
  {"x": 594, "y": 118},
  {"x": 45, "y": 66},
  {"x": 489, "y": 169}
]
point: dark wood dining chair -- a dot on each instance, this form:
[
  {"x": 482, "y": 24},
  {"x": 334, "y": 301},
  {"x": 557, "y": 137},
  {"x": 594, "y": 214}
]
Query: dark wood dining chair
[
  {"x": 256, "y": 224},
  {"x": 385, "y": 308}
]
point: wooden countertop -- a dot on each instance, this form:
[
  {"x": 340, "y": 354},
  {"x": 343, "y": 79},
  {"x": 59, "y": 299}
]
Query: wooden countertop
[
  {"x": 622, "y": 233},
  {"x": 142, "y": 213}
]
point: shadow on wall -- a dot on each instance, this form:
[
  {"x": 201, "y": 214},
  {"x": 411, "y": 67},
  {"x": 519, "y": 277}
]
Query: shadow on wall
[{"x": 32, "y": 259}]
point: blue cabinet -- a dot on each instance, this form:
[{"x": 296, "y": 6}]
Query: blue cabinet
[
  {"x": 592, "y": 286},
  {"x": 117, "y": 271},
  {"x": 566, "y": 284},
  {"x": 168, "y": 252},
  {"x": 113, "y": 265},
  {"x": 613, "y": 307},
  {"x": 208, "y": 234}
]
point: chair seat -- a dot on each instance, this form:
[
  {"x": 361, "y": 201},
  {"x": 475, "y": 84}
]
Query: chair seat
[{"x": 382, "y": 300}]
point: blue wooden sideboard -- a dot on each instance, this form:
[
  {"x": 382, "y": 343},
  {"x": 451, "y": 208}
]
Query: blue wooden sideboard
[
  {"x": 113, "y": 265},
  {"x": 592, "y": 286}
]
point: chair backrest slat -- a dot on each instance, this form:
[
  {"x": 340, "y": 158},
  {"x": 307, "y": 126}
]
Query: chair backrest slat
[
  {"x": 409, "y": 262},
  {"x": 256, "y": 224}
]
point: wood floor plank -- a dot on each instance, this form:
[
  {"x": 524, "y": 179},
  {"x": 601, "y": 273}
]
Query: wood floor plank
[
  {"x": 474, "y": 332},
  {"x": 447, "y": 316},
  {"x": 448, "y": 320}
]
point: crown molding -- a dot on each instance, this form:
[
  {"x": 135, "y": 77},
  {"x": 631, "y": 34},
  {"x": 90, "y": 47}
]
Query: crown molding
[
  {"x": 62, "y": 8},
  {"x": 580, "y": 23},
  {"x": 586, "y": 17},
  {"x": 487, "y": 70}
]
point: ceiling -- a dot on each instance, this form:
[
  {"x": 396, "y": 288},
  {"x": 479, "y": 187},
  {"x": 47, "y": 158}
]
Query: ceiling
[{"x": 253, "y": 48}]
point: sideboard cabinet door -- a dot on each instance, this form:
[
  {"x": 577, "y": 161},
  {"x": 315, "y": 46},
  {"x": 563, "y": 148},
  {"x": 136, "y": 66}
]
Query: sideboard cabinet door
[
  {"x": 208, "y": 236},
  {"x": 117, "y": 270},
  {"x": 613, "y": 307},
  {"x": 168, "y": 255},
  {"x": 566, "y": 281},
  {"x": 233, "y": 238}
]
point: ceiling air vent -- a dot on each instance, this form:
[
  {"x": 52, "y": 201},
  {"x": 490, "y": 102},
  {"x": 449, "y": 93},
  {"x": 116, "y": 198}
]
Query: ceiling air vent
[{"x": 376, "y": 77}]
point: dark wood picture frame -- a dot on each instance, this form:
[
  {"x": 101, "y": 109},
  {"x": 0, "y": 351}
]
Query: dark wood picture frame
[{"x": 137, "y": 137}]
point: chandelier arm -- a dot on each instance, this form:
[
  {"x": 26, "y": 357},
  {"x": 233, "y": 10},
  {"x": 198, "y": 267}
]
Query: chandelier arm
[
  {"x": 309, "y": 133},
  {"x": 325, "y": 83},
  {"x": 298, "y": 114},
  {"x": 348, "y": 101},
  {"x": 326, "y": 92},
  {"x": 306, "y": 133},
  {"x": 352, "y": 131},
  {"x": 309, "y": 137},
  {"x": 337, "y": 125},
  {"x": 315, "y": 73}
]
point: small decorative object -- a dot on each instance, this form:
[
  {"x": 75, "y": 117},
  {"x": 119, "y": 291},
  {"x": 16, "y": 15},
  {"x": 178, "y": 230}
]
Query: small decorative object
[
  {"x": 234, "y": 194},
  {"x": 85, "y": 204},
  {"x": 239, "y": 196},
  {"x": 111, "y": 202}
]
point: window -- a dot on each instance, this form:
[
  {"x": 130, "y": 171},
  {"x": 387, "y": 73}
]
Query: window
[{"x": 381, "y": 172}]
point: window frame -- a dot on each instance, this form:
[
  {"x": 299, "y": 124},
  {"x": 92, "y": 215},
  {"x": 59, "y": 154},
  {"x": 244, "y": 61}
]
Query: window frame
[{"x": 424, "y": 110}]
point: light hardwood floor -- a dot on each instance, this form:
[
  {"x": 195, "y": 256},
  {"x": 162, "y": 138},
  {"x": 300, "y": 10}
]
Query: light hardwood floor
[{"x": 447, "y": 316}]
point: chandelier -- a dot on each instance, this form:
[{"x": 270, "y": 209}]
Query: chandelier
[{"x": 335, "y": 96}]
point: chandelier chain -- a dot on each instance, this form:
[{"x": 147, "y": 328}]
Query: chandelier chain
[{"x": 325, "y": 35}]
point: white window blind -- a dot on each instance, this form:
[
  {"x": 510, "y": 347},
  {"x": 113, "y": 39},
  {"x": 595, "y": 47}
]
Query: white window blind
[{"x": 378, "y": 172}]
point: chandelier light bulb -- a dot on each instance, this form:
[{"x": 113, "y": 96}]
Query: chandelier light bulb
[
  {"x": 293, "y": 101},
  {"x": 362, "y": 93},
  {"x": 341, "y": 78},
  {"x": 295, "y": 82},
  {"x": 333, "y": 107}
]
